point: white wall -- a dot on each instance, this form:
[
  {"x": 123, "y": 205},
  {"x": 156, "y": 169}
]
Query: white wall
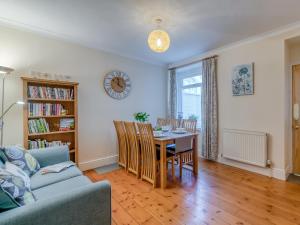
[
  {"x": 268, "y": 110},
  {"x": 97, "y": 141}
]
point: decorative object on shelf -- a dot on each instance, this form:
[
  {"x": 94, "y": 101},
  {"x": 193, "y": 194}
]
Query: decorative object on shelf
[
  {"x": 66, "y": 124},
  {"x": 117, "y": 84},
  {"x": 158, "y": 39},
  {"x": 50, "y": 118},
  {"x": 48, "y": 76},
  {"x": 243, "y": 80},
  {"x": 141, "y": 117}
]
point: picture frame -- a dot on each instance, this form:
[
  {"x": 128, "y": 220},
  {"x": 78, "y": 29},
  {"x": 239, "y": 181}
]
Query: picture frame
[{"x": 243, "y": 80}]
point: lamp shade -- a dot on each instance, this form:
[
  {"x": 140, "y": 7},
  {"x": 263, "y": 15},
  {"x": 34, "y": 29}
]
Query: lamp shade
[
  {"x": 159, "y": 41},
  {"x": 5, "y": 70}
]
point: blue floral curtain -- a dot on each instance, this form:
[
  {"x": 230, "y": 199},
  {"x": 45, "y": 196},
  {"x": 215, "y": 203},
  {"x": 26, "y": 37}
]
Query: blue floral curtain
[
  {"x": 209, "y": 110},
  {"x": 172, "y": 94}
]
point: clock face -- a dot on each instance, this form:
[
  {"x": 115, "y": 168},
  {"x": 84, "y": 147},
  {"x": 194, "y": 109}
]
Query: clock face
[{"x": 117, "y": 84}]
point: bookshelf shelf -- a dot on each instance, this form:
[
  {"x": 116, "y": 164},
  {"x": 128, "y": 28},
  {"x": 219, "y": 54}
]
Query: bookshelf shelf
[
  {"x": 53, "y": 116},
  {"x": 52, "y": 133},
  {"x": 50, "y": 97},
  {"x": 50, "y": 100}
]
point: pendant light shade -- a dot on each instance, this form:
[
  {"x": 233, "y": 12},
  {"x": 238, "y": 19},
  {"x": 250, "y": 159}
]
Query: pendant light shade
[{"x": 159, "y": 40}]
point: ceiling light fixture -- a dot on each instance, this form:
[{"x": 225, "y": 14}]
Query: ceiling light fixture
[
  {"x": 159, "y": 40},
  {"x": 5, "y": 70}
]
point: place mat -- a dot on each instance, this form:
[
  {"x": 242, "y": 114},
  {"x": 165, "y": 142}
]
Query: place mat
[{"x": 108, "y": 168}]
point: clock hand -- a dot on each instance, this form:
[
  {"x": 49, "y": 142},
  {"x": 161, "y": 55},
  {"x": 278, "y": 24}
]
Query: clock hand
[{"x": 120, "y": 84}]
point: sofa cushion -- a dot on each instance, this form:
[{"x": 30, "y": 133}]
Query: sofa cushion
[
  {"x": 61, "y": 187},
  {"x": 21, "y": 158},
  {"x": 14, "y": 187},
  {"x": 39, "y": 180},
  {"x": 7, "y": 201},
  {"x": 17, "y": 171}
]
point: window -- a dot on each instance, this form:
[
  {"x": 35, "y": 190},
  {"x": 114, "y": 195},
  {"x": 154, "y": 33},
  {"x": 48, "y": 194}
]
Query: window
[{"x": 189, "y": 81}]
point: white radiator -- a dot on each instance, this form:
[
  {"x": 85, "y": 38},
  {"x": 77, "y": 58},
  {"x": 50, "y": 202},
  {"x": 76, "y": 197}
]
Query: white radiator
[{"x": 245, "y": 146}]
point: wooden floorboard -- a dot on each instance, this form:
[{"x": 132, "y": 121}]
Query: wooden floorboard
[{"x": 219, "y": 195}]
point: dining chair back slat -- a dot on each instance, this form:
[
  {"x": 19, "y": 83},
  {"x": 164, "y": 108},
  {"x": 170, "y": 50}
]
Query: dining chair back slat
[
  {"x": 174, "y": 123},
  {"x": 148, "y": 153},
  {"x": 134, "y": 155},
  {"x": 190, "y": 125},
  {"x": 122, "y": 143},
  {"x": 162, "y": 122}
]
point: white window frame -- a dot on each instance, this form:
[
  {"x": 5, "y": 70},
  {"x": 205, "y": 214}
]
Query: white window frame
[{"x": 181, "y": 87}]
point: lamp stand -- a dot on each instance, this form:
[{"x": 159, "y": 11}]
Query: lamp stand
[{"x": 2, "y": 111}]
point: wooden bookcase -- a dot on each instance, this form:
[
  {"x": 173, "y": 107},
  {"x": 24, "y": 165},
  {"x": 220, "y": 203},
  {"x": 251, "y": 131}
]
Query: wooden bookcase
[{"x": 55, "y": 134}]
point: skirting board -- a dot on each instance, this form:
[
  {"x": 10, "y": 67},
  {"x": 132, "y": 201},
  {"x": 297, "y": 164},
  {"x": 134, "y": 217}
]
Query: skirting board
[
  {"x": 92, "y": 164},
  {"x": 277, "y": 173}
]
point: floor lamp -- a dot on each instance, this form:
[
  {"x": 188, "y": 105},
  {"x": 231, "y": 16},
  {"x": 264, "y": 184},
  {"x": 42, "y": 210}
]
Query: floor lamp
[{"x": 4, "y": 71}]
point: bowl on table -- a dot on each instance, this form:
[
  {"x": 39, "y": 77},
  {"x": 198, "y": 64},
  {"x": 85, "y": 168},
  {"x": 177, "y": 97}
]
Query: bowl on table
[
  {"x": 157, "y": 133},
  {"x": 180, "y": 130},
  {"x": 165, "y": 128}
]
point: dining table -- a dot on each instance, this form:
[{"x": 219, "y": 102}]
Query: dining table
[{"x": 170, "y": 138}]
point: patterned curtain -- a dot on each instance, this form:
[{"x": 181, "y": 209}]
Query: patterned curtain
[
  {"x": 172, "y": 94},
  {"x": 209, "y": 110}
]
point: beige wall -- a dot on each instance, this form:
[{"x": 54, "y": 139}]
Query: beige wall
[
  {"x": 269, "y": 109},
  {"x": 263, "y": 111},
  {"x": 97, "y": 141},
  {"x": 292, "y": 58}
]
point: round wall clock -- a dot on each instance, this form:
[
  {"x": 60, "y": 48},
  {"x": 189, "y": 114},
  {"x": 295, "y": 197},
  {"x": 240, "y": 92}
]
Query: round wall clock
[{"x": 117, "y": 84}]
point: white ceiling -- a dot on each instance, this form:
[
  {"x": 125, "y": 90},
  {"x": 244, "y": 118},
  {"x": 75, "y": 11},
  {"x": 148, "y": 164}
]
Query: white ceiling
[{"x": 122, "y": 26}]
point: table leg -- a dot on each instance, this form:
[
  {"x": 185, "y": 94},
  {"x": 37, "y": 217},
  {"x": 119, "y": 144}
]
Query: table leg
[
  {"x": 195, "y": 155},
  {"x": 163, "y": 165}
]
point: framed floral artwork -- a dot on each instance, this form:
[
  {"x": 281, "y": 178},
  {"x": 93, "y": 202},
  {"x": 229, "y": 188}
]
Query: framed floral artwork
[{"x": 243, "y": 80}]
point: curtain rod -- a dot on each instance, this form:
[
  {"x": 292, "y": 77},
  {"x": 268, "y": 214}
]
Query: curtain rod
[{"x": 190, "y": 63}]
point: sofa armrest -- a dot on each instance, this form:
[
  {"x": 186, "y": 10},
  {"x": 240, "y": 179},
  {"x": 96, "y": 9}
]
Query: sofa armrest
[
  {"x": 51, "y": 155},
  {"x": 90, "y": 204}
]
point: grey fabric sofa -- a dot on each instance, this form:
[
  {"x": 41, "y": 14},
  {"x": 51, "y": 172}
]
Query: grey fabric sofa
[{"x": 65, "y": 198}]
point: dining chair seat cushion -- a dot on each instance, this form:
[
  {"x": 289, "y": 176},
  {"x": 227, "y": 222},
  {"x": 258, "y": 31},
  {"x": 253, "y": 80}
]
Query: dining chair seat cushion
[
  {"x": 173, "y": 152},
  {"x": 158, "y": 154},
  {"x": 171, "y": 146}
]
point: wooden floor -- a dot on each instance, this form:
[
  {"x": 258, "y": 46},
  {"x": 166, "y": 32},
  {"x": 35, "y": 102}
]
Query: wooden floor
[{"x": 219, "y": 195}]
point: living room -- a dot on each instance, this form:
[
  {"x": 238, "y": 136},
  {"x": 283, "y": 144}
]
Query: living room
[{"x": 243, "y": 164}]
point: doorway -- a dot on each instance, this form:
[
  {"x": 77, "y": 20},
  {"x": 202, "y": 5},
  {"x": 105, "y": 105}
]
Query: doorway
[{"x": 296, "y": 119}]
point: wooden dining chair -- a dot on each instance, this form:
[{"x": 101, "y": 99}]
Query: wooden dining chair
[
  {"x": 186, "y": 157},
  {"x": 190, "y": 125},
  {"x": 175, "y": 123},
  {"x": 162, "y": 122},
  {"x": 122, "y": 143},
  {"x": 134, "y": 155},
  {"x": 150, "y": 156}
]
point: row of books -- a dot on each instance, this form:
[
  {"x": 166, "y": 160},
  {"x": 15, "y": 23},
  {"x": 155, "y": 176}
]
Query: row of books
[
  {"x": 46, "y": 109},
  {"x": 38, "y": 126},
  {"x": 38, "y": 143},
  {"x": 50, "y": 92}
]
